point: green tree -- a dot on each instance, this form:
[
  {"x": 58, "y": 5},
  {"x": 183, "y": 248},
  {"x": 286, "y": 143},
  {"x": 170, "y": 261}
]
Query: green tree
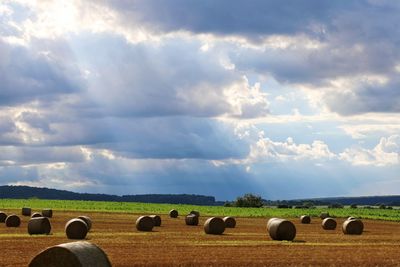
[{"x": 249, "y": 200}]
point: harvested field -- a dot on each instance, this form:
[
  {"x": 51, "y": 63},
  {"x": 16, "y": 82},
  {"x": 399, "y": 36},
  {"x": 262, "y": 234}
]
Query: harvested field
[{"x": 175, "y": 243}]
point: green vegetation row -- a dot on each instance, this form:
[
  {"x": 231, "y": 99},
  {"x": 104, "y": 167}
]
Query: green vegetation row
[{"x": 143, "y": 208}]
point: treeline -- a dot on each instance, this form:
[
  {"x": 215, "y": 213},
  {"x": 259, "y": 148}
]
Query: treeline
[{"x": 22, "y": 192}]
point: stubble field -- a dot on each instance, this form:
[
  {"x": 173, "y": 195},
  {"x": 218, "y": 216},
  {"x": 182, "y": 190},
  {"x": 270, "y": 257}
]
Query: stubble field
[{"x": 174, "y": 243}]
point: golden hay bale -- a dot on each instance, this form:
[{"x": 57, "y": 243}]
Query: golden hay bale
[
  {"x": 353, "y": 227},
  {"x": 74, "y": 254},
  {"x": 13, "y": 221},
  {"x": 270, "y": 222},
  {"x": 144, "y": 223},
  {"x": 192, "y": 219},
  {"x": 305, "y": 219},
  {"x": 230, "y": 222},
  {"x": 36, "y": 215},
  {"x": 3, "y": 217},
  {"x": 156, "y": 219},
  {"x": 214, "y": 226},
  {"x": 87, "y": 220},
  {"x": 76, "y": 229},
  {"x": 195, "y": 213},
  {"x": 173, "y": 213},
  {"x": 324, "y": 215},
  {"x": 329, "y": 224},
  {"x": 26, "y": 211},
  {"x": 47, "y": 213},
  {"x": 39, "y": 226},
  {"x": 281, "y": 229}
]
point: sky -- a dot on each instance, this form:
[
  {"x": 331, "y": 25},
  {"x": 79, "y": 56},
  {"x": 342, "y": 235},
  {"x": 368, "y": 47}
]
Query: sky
[{"x": 293, "y": 99}]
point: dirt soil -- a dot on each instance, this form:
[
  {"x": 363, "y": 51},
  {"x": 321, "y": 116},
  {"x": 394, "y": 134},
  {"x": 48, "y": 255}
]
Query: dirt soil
[{"x": 175, "y": 244}]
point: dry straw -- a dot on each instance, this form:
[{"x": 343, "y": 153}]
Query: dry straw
[
  {"x": 26, "y": 211},
  {"x": 76, "y": 229},
  {"x": 156, "y": 219},
  {"x": 353, "y": 227},
  {"x": 305, "y": 219},
  {"x": 281, "y": 229},
  {"x": 36, "y": 215},
  {"x": 47, "y": 213},
  {"x": 87, "y": 220},
  {"x": 3, "y": 217},
  {"x": 329, "y": 224},
  {"x": 214, "y": 226},
  {"x": 173, "y": 213},
  {"x": 39, "y": 226},
  {"x": 13, "y": 221},
  {"x": 192, "y": 219},
  {"x": 75, "y": 254},
  {"x": 144, "y": 223},
  {"x": 230, "y": 222}
]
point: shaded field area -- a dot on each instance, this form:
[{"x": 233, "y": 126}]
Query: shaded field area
[
  {"x": 134, "y": 207},
  {"x": 174, "y": 243}
]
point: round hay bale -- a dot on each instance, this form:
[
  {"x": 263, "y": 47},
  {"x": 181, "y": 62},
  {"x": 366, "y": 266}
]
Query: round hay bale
[
  {"x": 270, "y": 222},
  {"x": 305, "y": 219},
  {"x": 192, "y": 219},
  {"x": 195, "y": 213},
  {"x": 281, "y": 229},
  {"x": 214, "y": 226},
  {"x": 87, "y": 220},
  {"x": 39, "y": 226},
  {"x": 144, "y": 223},
  {"x": 173, "y": 213},
  {"x": 351, "y": 218},
  {"x": 36, "y": 215},
  {"x": 156, "y": 219},
  {"x": 353, "y": 227},
  {"x": 3, "y": 217},
  {"x": 47, "y": 213},
  {"x": 329, "y": 224},
  {"x": 76, "y": 229},
  {"x": 13, "y": 221},
  {"x": 74, "y": 254},
  {"x": 230, "y": 222},
  {"x": 26, "y": 211},
  {"x": 324, "y": 215}
]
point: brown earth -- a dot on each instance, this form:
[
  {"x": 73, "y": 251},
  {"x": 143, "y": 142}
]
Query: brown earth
[{"x": 248, "y": 244}]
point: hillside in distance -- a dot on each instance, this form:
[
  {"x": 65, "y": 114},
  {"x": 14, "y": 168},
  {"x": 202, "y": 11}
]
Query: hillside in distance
[{"x": 25, "y": 192}]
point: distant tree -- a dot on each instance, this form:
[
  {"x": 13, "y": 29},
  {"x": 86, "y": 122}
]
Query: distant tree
[
  {"x": 353, "y": 206},
  {"x": 228, "y": 204},
  {"x": 249, "y": 200},
  {"x": 335, "y": 206}
]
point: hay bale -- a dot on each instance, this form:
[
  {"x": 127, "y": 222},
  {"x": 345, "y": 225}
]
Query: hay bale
[
  {"x": 26, "y": 211},
  {"x": 270, "y": 222},
  {"x": 36, "y": 215},
  {"x": 329, "y": 224},
  {"x": 3, "y": 217},
  {"x": 74, "y": 254},
  {"x": 192, "y": 219},
  {"x": 144, "y": 223},
  {"x": 39, "y": 226},
  {"x": 76, "y": 229},
  {"x": 156, "y": 219},
  {"x": 195, "y": 213},
  {"x": 324, "y": 215},
  {"x": 87, "y": 220},
  {"x": 173, "y": 213},
  {"x": 305, "y": 219},
  {"x": 47, "y": 213},
  {"x": 230, "y": 222},
  {"x": 351, "y": 218},
  {"x": 281, "y": 229},
  {"x": 13, "y": 221},
  {"x": 353, "y": 227},
  {"x": 214, "y": 226}
]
